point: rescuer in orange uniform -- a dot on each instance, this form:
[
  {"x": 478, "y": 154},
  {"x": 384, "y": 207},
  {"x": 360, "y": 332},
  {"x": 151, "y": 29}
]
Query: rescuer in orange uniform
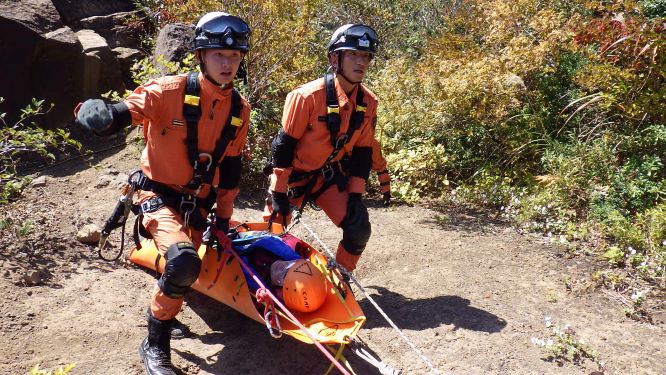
[
  {"x": 323, "y": 153},
  {"x": 195, "y": 126}
]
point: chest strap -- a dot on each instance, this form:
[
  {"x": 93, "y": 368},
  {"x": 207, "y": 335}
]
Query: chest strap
[
  {"x": 333, "y": 119},
  {"x": 204, "y": 164}
]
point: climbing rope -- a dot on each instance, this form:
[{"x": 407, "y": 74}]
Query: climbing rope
[{"x": 299, "y": 218}]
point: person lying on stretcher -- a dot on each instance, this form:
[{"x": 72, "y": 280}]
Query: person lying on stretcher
[{"x": 296, "y": 281}]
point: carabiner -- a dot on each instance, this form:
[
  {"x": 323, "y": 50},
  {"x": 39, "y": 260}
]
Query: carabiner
[
  {"x": 207, "y": 156},
  {"x": 268, "y": 317}
]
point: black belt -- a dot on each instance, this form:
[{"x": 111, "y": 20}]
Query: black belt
[
  {"x": 331, "y": 173},
  {"x": 185, "y": 204}
]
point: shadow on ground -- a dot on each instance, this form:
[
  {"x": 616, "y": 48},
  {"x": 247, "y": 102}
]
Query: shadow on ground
[
  {"x": 421, "y": 314},
  {"x": 249, "y": 349}
]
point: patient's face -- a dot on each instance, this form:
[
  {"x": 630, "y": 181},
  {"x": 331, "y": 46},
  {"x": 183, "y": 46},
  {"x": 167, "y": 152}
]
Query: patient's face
[{"x": 279, "y": 270}]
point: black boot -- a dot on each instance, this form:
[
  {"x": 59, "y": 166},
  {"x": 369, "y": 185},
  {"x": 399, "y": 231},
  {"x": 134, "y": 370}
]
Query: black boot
[{"x": 155, "y": 350}]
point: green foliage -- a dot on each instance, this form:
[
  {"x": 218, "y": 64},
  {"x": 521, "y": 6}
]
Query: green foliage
[
  {"x": 145, "y": 69},
  {"x": 427, "y": 178},
  {"x": 23, "y": 138},
  {"x": 35, "y": 370},
  {"x": 551, "y": 111},
  {"x": 24, "y": 229},
  {"x": 563, "y": 345},
  {"x": 5, "y": 223},
  {"x": 654, "y": 8}
]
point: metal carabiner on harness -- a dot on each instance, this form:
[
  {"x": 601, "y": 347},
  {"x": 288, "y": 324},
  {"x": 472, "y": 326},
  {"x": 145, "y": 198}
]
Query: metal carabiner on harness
[
  {"x": 327, "y": 172},
  {"x": 341, "y": 141},
  {"x": 187, "y": 205},
  {"x": 207, "y": 156}
]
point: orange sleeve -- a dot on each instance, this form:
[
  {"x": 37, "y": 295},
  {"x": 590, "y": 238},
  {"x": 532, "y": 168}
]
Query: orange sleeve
[
  {"x": 378, "y": 161},
  {"x": 296, "y": 113},
  {"x": 357, "y": 184},
  {"x": 145, "y": 103},
  {"x": 225, "y": 197},
  {"x": 236, "y": 147},
  {"x": 295, "y": 116}
]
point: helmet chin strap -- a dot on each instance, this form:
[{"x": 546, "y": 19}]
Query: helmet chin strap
[{"x": 338, "y": 69}]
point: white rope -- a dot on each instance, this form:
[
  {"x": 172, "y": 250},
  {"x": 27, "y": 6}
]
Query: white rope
[{"x": 299, "y": 218}]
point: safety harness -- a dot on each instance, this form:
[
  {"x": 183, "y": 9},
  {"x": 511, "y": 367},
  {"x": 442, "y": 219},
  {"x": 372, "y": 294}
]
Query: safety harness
[
  {"x": 203, "y": 165},
  {"x": 332, "y": 172}
]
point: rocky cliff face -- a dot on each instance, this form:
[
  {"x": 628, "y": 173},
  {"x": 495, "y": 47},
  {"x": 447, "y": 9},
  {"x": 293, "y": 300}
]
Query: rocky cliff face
[{"x": 66, "y": 50}]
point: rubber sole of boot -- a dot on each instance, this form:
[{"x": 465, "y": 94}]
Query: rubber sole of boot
[{"x": 142, "y": 355}]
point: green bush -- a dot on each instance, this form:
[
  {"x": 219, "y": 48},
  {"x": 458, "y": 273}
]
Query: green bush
[{"x": 24, "y": 138}]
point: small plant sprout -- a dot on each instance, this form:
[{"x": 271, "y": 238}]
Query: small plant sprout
[{"x": 564, "y": 346}]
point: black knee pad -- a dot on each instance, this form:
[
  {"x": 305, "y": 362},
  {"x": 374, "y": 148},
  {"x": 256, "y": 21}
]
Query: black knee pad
[
  {"x": 181, "y": 270},
  {"x": 354, "y": 237}
]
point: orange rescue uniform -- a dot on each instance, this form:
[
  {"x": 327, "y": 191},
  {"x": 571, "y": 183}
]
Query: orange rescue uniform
[
  {"x": 158, "y": 106},
  {"x": 304, "y": 120}
]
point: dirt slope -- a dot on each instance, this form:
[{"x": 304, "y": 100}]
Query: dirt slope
[{"x": 469, "y": 292}]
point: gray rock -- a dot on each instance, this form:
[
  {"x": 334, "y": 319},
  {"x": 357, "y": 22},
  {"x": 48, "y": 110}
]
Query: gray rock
[
  {"x": 74, "y": 10},
  {"x": 40, "y": 16},
  {"x": 174, "y": 42},
  {"x": 100, "y": 72},
  {"x": 119, "y": 29},
  {"x": 92, "y": 42},
  {"x": 89, "y": 233},
  {"x": 39, "y": 182},
  {"x": 103, "y": 181},
  {"x": 32, "y": 278},
  {"x": 44, "y": 64}
]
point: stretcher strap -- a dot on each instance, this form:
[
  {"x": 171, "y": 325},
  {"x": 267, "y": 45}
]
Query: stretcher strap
[
  {"x": 339, "y": 357},
  {"x": 286, "y": 311}
]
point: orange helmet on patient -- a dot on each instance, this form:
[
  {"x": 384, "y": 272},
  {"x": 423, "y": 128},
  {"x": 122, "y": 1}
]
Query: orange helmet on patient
[{"x": 304, "y": 286}]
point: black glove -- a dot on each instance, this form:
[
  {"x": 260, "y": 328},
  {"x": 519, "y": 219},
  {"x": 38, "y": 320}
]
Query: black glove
[
  {"x": 222, "y": 225},
  {"x": 386, "y": 199},
  {"x": 280, "y": 203},
  {"x": 357, "y": 214},
  {"x": 94, "y": 115}
]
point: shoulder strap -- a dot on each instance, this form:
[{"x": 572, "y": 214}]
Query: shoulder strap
[
  {"x": 234, "y": 122},
  {"x": 192, "y": 114},
  {"x": 332, "y": 108},
  {"x": 333, "y": 116}
]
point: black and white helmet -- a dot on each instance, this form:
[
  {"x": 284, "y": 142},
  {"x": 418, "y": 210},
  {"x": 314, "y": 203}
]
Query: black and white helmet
[
  {"x": 357, "y": 37},
  {"x": 222, "y": 31}
]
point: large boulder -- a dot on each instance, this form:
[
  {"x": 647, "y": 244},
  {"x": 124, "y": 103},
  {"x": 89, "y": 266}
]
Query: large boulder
[
  {"x": 123, "y": 29},
  {"x": 101, "y": 71},
  {"x": 47, "y": 52},
  {"x": 173, "y": 43},
  {"x": 75, "y": 10},
  {"x": 39, "y": 16},
  {"x": 39, "y": 57}
]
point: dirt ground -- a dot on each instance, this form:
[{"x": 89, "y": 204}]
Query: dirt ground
[{"x": 468, "y": 290}]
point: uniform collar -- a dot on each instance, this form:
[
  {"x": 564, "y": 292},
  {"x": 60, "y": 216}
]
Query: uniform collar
[
  {"x": 342, "y": 96},
  {"x": 212, "y": 89}
]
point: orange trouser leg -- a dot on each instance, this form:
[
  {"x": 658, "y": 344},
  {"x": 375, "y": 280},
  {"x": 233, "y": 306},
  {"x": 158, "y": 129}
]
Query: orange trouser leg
[
  {"x": 167, "y": 227},
  {"x": 334, "y": 204}
]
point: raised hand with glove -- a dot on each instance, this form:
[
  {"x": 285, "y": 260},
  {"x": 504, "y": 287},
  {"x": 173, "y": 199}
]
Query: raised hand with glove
[{"x": 101, "y": 118}]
